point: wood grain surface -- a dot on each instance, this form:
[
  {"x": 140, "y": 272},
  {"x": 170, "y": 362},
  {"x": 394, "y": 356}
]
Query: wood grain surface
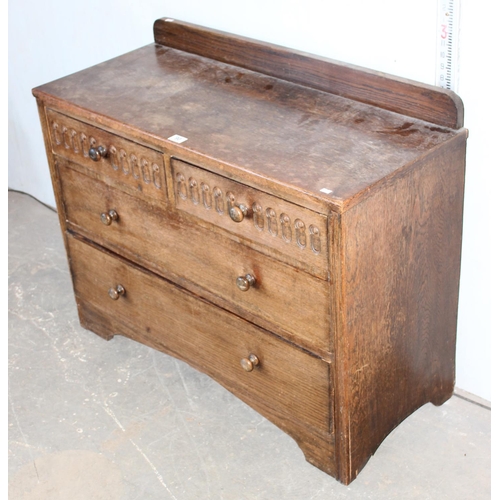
[
  {"x": 403, "y": 96},
  {"x": 293, "y": 230},
  {"x": 309, "y": 146},
  {"x": 395, "y": 350},
  {"x": 201, "y": 260},
  {"x": 287, "y": 380},
  {"x": 126, "y": 162}
]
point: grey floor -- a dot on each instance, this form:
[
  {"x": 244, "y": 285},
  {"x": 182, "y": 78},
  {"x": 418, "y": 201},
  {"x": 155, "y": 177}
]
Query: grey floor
[{"x": 90, "y": 419}]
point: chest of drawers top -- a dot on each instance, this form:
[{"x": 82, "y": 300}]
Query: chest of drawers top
[{"x": 324, "y": 140}]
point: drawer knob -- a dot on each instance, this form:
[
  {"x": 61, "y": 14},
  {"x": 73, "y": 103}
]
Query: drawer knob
[
  {"x": 245, "y": 282},
  {"x": 248, "y": 364},
  {"x": 108, "y": 217},
  {"x": 97, "y": 153},
  {"x": 116, "y": 293},
  {"x": 239, "y": 212}
]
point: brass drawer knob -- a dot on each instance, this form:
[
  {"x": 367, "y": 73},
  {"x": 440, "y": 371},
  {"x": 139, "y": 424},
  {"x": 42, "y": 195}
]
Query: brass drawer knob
[
  {"x": 97, "y": 153},
  {"x": 239, "y": 212},
  {"x": 108, "y": 217},
  {"x": 117, "y": 292},
  {"x": 248, "y": 364},
  {"x": 245, "y": 282}
]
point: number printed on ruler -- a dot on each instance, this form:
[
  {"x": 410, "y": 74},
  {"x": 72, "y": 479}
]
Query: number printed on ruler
[{"x": 447, "y": 44}]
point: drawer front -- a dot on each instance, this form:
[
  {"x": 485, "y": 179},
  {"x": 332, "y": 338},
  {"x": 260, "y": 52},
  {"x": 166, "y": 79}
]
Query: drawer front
[
  {"x": 281, "y": 298},
  {"x": 288, "y": 228},
  {"x": 137, "y": 167},
  {"x": 285, "y": 379}
]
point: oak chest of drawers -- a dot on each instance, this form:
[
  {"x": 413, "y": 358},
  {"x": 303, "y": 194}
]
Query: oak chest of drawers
[{"x": 289, "y": 225}]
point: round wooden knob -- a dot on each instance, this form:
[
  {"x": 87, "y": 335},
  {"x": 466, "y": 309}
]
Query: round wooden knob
[
  {"x": 245, "y": 282},
  {"x": 248, "y": 364},
  {"x": 97, "y": 153},
  {"x": 116, "y": 293},
  {"x": 108, "y": 217},
  {"x": 238, "y": 212}
]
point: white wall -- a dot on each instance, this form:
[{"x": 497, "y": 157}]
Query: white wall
[
  {"x": 53, "y": 38},
  {"x": 478, "y": 87}
]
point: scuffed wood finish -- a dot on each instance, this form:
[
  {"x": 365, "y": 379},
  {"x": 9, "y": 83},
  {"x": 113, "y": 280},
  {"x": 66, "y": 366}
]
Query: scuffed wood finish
[
  {"x": 409, "y": 98},
  {"x": 286, "y": 139},
  {"x": 348, "y": 324},
  {"x": 396, "y": 349},
  {"x": 287, "y": 380}
]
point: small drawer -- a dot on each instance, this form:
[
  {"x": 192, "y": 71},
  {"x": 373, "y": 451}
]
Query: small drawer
[
  {"x": 280, "y": 298},
  {"x": 255, "y": 365},
  {"x": 122, "y": 162},
  {"x": 290, "y": 229}
]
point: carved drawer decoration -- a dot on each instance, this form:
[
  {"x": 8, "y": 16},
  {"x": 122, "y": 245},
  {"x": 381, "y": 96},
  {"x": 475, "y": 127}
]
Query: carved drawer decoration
[
  {"x": 111, "y": 156},
  {"x": 293, "y": 230}
]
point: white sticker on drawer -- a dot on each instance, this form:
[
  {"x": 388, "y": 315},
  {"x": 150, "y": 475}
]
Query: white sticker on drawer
[
  {"x": 177, "y": 138},
  {"x": 326, "y": 191}
]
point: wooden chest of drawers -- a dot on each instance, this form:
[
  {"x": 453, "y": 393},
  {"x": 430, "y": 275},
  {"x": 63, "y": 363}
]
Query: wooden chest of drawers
[{"x": 289, "y": 225}]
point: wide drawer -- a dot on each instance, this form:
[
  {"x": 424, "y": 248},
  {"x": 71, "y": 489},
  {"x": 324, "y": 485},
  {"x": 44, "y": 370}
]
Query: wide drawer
[
  {"x": 284, "y": 379},
  {"x": 126, "y": 163},
  {"x": 282, "y": 298},
  {"x": 293, "y": 230}
]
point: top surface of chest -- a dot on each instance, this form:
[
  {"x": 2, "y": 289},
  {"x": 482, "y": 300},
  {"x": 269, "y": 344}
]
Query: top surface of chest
[{"x": 325, "y": 145}]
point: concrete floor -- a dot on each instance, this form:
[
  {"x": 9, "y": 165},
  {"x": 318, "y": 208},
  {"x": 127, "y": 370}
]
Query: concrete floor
[{"x": 90, "y": 419}]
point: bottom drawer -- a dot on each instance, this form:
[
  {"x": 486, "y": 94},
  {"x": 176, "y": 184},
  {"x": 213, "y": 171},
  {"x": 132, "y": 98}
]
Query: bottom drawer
[{"x": 287, "y": 381}]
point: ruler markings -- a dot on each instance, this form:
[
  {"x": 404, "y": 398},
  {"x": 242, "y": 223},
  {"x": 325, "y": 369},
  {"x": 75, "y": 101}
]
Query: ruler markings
[{"x": 447, "y": 44}]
